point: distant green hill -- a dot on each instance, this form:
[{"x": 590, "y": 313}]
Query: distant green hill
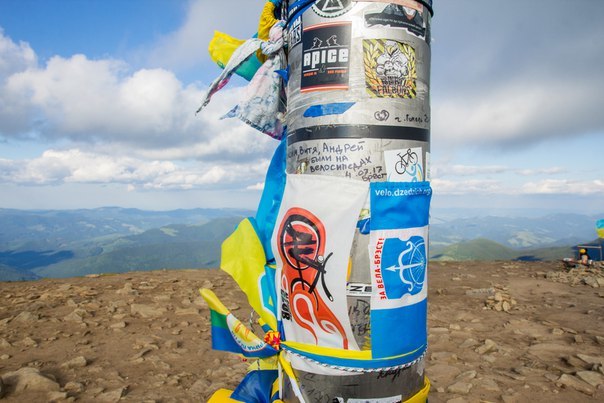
[
  {"x": 477, "y": 249},
  {"x": 485, "y": 249},
  {"x": 170, "y": 247},
  {"x": 47, "y": 230},
  {"x": 62, "y": 243}
]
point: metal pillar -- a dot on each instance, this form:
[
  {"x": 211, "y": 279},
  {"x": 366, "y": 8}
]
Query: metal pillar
[{"x": 359, "y": 107}]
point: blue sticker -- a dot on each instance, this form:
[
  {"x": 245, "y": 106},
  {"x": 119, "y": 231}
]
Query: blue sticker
[
  {"x": 336, "y": 108},
  {"x": 399, "y": 263},
  {"x": 403, "y": 266}
]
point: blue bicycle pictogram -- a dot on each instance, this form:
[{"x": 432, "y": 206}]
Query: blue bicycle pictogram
[{"x": 404, "y": 266}]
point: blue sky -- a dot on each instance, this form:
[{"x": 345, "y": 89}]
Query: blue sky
[{"x": 97, "y": 102}]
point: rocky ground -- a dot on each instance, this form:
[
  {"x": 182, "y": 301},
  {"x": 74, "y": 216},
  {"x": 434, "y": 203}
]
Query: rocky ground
[{"x": 498, "y": 331}]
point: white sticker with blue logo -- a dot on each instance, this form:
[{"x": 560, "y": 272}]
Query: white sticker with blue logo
[
  {"x": 398, "y": 267},
  {"x": 404, "y": 165}
]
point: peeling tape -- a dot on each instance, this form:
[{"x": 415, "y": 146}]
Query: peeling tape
[{"x": 327, "y": 109}]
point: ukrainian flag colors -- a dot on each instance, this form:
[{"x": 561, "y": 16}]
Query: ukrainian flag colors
[
  {"x": 600, "y": 228},
  {"x": 244, "y": 259},
  {"x": 229, "y": 334}
]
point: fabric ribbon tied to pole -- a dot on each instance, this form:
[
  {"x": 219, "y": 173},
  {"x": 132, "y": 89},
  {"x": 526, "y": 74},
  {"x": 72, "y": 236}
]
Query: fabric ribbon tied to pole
[{"x": 262, "y": 104}]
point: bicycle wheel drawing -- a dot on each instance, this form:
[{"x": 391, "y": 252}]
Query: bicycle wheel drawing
[
  {"x": 412, "y": 157},
  {"x": 301, "y": 244},
  {"x": 400, "y": 167},
  {"x": 300, "y": 240}
]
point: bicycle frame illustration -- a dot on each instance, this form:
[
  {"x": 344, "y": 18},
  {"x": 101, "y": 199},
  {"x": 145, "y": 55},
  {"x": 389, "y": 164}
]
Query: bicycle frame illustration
[
  {"x": 407, "y": 161},
  {"x": 301, "y": 244}
]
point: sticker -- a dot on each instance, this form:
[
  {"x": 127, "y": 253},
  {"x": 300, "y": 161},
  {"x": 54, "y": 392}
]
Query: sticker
[
  {"x": 336, "y": 108},
  {"x": 311, "y": 243},
  {"x": 358, "y": 289},
  {"x": 325, "y": 57},
  {"x": 398, "y": 255},
  {"x": 408, "y": 16},
  {"x": 390, "y": 68},
  {"x": 331, "y": 8},
  {"x": 398, "y": 250},
  {"x": 295, "y": 32},
  {"x": 400, "y": 265},
  {"x": 404, "y": 165}
]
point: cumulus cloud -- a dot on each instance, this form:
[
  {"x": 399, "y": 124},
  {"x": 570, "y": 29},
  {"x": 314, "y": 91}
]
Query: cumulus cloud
[
  {"x": 531, "y": 78},
  {"x": 497, "y": 187},
  {"x": 257, "y": 186},
  {"x": 55, "y": 167},
  {"x": 187, "y": 46},
  {"x": 467, "y": 170},
  {"x": 470, "y": 186},
  {"x": 564, "y": 186},
  {"x": 521, "y": 112},
  {"x": 14, "y": 57},
  {"x": 148, "y": 112},
  {"x": 541, "y": 171}
]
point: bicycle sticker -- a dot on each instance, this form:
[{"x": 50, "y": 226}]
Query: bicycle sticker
[
  {"x": 312, "y": 241},
  {"x": 404, "y": 165}
]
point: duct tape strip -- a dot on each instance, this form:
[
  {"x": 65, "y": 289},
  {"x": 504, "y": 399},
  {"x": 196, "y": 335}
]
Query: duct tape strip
[
  {"x": 224, "y": 395},
  {"x": 425, "y": 3},
  {"x": 336, "y": 108},
  {"x": 299, "y": 6},
  {"x": 358, "y": 369},
  {"x": 357, "y": 131}
]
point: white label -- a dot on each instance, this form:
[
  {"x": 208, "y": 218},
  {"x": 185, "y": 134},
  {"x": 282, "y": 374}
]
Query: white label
[{"x": 404, "y": 165}]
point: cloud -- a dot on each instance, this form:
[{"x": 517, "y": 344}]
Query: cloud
[
  {"x": 466, "y": 187},
  {"x": 541, "y": 171},
  {"x": 564, "y": 186},
  {"x": 148, "y": 113},
  {"x": 256, "y": 186},
  {"x": 187, "y": 46},
  {"x": 55, "y": 167},
  {"x": 533, "y": 77},
  {"x": 467, "y": 170},
  {"x": 14, "y": 57},
  {"x": 521, "y": 112},
  {"x": 496, "y": 187}
]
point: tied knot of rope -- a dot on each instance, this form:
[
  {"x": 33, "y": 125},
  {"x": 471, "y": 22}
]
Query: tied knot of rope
[{"x": 275, "y": 40}]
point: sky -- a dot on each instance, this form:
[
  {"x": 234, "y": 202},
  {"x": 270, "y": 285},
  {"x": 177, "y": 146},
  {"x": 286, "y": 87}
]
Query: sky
[{"x": 98, "y": 100}]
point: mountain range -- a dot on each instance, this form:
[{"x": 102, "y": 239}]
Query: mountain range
[{"x": 66, "y": 243}]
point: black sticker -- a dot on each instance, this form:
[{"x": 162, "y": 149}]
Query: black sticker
[
  {"x": 295, "y": 32},
  {"x": 396, "y": 16},
  {"x": 325, "y": 57},
  {"x": 331, "y": 8}
]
